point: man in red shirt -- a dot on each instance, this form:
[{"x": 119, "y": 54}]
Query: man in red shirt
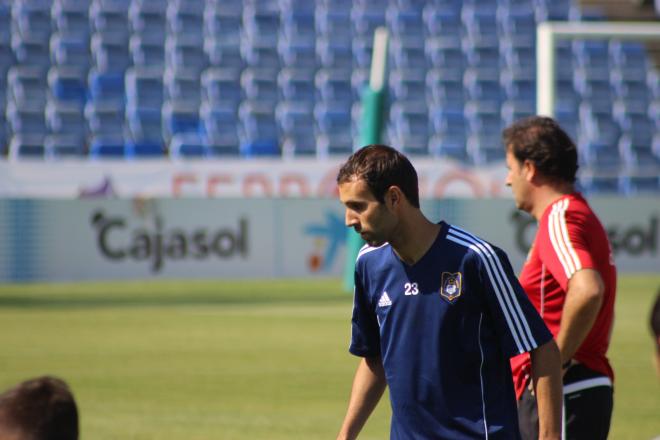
[{"x": 569, "y": 276}]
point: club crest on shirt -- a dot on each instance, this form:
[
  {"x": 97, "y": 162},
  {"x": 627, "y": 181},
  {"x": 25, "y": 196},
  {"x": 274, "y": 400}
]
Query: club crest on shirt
[{"x": 451, "y": 285}]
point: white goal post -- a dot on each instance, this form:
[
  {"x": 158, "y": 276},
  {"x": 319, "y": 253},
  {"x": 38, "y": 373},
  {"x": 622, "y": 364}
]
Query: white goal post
[{"x": 548, "y": 33}]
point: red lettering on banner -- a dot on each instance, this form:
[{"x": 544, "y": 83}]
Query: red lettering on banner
[
  {"x": 257, "y": 180},
  {"x": 181, "y": 179},
  {"x": 290, "y": 180},
  {"x": 214, "y": 180},
  {"x": 458, "y": 176}
]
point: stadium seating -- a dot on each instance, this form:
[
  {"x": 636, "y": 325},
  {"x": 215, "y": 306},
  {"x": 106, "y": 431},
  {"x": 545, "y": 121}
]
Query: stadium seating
[{"x": 284, "y": 77}]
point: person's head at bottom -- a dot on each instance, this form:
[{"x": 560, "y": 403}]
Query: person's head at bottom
[{"x": 41, "y": 408}]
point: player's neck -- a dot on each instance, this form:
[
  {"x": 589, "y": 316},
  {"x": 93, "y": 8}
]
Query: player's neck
[
  {"x": 545, "y": 195},
  {"x": 414, "y": 237}
]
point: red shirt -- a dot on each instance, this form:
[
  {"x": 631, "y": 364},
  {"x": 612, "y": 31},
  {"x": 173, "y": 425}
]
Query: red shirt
[{"x": 569, "y": 238}]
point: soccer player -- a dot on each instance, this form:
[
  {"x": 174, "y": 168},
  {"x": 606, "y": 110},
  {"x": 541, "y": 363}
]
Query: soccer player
[
  {"x": 569, "y": 276},
  {"x": 437, "y": 314},
  {"x": 42, "y": 408}
]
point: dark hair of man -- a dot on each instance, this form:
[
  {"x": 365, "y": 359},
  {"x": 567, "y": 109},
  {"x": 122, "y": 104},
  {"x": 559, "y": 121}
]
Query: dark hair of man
[
  {"x": 42, "y": 408},
  {"x": 543, "y": 142},
  {"x": 655, "y": 320},
  {"x": 382, "y": 167}
]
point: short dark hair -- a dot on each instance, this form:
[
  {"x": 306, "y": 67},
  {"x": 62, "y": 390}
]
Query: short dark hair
[
  {"x": 42, "y": 408},
  {"x": 655, "y": 320},
  {"x": 542, "y": 141},
  {"x": 381, "y": 167}
]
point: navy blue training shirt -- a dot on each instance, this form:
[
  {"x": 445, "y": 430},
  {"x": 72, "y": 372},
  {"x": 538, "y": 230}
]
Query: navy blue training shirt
[{"x": 445, "y": 328}]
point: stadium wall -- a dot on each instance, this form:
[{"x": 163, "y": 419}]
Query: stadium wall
[{"x": 61, "y": 240}]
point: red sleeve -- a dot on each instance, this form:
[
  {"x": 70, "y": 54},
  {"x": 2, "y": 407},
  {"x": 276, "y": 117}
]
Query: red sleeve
[{"x": 565, "y": 247}]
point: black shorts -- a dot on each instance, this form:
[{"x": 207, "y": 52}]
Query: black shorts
[{"x": 587, "y": 412}]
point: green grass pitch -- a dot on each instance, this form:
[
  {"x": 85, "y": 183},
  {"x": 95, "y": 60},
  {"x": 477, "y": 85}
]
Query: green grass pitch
[{"x": 240, "y": 360}]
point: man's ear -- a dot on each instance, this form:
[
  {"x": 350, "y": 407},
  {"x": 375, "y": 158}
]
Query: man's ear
[
  {"x": 529, "y": 170},
  {"x": 393, "y": 197}
]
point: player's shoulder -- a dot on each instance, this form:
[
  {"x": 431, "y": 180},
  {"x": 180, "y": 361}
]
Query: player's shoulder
[
  {"x": 470, "y": 243},
  {"x": 372, "y": 253},
  {"x": 572, "y": 208}
]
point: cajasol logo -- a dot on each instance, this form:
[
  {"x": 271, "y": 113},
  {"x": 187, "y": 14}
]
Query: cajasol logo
[
  {"x": 151, "y": 240},
  {"x": 328, "y": 237}
]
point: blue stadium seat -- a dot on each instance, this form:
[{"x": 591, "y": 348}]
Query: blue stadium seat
[
  {"x": 145, "y": 125},
  {"x": 450, "y": 147},
  {"x": 517, "y": 20},
  {"x": 105, "y": 118},
  {"x": 480, "y": 21},
  {"x": 297, "y": 85},
  {"x": 185, "y": 52},
  {"x": 63, "y": 147},
  {"x": 258, "y": 132},
  {"x": 186, "y": 18},
  {"x": 519, "y": 54},
  {"x": 147, "y": 51},
  {"x": 144, "y": 149},
  {"x": 223, "y": 21},
  {"x": 70, "y": 50},
  {"x": 180, "y": 117},
  {"x": 565, "y": 63},
  {"x": 298, "y": 23},
  {"x": 296, "y": 124},
  {"x": 26, "y": 147},
  {"x": 629, "y": 89},
  {"x": 5, "y": 22},
  {"x": 182, "y": 85},
  {"x": 599, "y": 184},
  {"x": 635, "y": 123},
  {"x": 329, "y": 144},
  {"x": 110, "y": 52},
  {"x": 260, "y": 52},
  {"x": 483, "y": 53},
  {"x": 359, "y": 81},
  {"x": 71, "y": 18},
  {"x": 406, "y": 21},
  {"x": 334, "y": 85},
  {"x": 594, "y": 90},
  {"x": 334, "y": 52},
  {"x": 408, "y": 53},
  {"x": 32, "y": 19},
  {"x": 448, "y": 123},
  {"x": 366, "y": 17},
  {"x": 484, "y": 149},
  {"x": 333, "y": 117},
  {"x": 65, "y": 118},
  {"x": 362, "y": 50},
  {"x": 408, "y": 85},
  {"x": 6, "y": 60},
  {"x": 483, "y": 120},
  {"x": 110, "y": 146},
  {"x": 333, "y": 22},
  {"x": 148, "y": 17},
  {"x": 483, "y": 86},
  {"x": 220, "y": 123},
  {"x": 144, "y": 87},
  {"x": 68, "y": 84},
  {"x": 446, "y": 87},
  {"x": 222, "y": 85},
  {"x": 26, "y": 119},
  {"x": 297, "y": 52},
  {"x": 638, "y": 155},
  {"x": 224, "y": 53},
  {"x": 443, "y": 22},
  {"x": 260, "y": 85},
  {"x": 4, "y": 142},
  {"x": 552, "y": 10},
  {"x": 515, "y": 110},
  {"x": 445, "y": 52},
  {"x": 519, "y": 85},
  {"x": 261, "y": 20},
  {"x": 567, "y": 98},
  {"x": 592, "y": 54},
  {"x": 110, "y": 17},
  {"x": 409, "y": 127},
  {"x": 628, "y": 55},
  {"x": 30, "y": 51},
  {"x": 569, "y": 119},
  {"x": 640, "y": 184},
  {"x": 600, "y": 156},
  {"x": 107, "y": 86},
  {"x": 598, "y": 125},
  {"x": 188, "y": 146},
  {"x": 26, "y": 84}
]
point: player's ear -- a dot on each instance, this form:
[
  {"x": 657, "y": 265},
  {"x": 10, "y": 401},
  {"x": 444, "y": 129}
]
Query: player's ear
[
  {"x": 393, "y": 197},
  {"x": 529, "y": 170}
]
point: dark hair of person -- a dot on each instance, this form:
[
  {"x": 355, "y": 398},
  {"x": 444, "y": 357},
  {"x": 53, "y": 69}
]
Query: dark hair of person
[
  {"x": 542, "y": 141},
  {"x": 382, "y": 167},
  {"x": 42, "y": 408},
  {"x": 655, "y": 320}
]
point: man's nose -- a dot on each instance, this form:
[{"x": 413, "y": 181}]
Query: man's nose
[{"x": 350, "y": 218}]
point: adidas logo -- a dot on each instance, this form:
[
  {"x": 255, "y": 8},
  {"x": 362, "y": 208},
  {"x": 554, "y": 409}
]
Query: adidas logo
[{"x": 384, "y": 300}]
